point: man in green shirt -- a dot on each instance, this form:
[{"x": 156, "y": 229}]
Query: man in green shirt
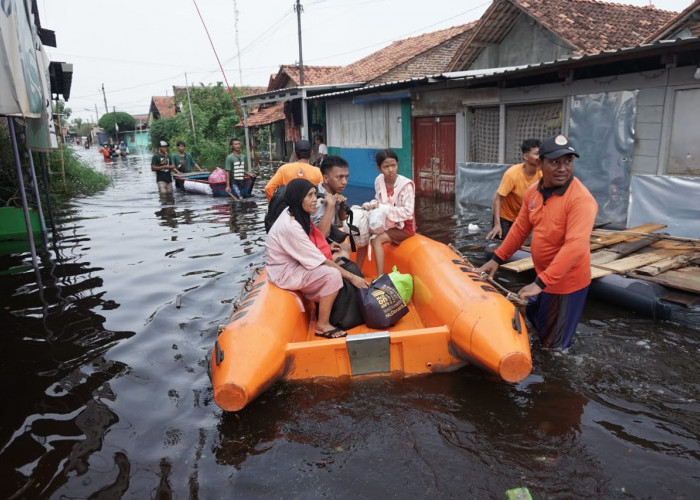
[
  {"x": 184, "y": 161},
  {"x": 238, "y": 179},
  {"x": 161, "y": 165}
]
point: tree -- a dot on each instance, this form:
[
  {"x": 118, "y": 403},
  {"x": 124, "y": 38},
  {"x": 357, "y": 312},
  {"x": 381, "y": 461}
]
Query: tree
[
  {"x": 85, "y": 129},
  {"x": 164, "y": 129},
  {"x": 215, "y": 119},
  {"x": 59, "y": 108},
  {"x": 124, "y": 121}
]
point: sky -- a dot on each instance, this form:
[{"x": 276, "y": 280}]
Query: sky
[{"x": 142, "y": 48}]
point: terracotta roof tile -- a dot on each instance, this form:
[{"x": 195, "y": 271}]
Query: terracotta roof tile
[
  {"x": 288, "y": 76},
  {"x": 588, "y": 26},
  {"x": 689, "y": 18},
  {"x": 412, "y": 57},
  {"x": 265, "y": 116},
  {"x": 164, "y": 105}
]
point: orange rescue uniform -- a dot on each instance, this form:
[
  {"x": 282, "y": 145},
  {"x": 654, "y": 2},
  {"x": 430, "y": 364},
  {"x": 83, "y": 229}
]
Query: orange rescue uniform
[
  {"x": 289, "y": 171},
  {"x": 561, "y": 231}
]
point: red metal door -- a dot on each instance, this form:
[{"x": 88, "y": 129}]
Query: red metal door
[{"x": 434, "y": 155}]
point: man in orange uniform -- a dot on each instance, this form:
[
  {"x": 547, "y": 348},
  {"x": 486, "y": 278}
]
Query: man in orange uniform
[
  {"x": 299, "y": 168},
  {"x": 515, "y": 180},
  {"x": 559, "y": 211}
]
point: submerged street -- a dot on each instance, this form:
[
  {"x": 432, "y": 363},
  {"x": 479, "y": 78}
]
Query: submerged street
[{"x": 105, "y": 386}]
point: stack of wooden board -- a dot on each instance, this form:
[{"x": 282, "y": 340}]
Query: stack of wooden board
[{"x": 641, "y": 253}]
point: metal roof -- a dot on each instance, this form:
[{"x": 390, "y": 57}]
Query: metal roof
[
  {"x": 291, "y": 93},
  {"x": 522, "y": 70}
]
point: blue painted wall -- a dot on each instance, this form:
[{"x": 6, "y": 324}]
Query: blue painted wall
[{"x": 363, "y": 168}]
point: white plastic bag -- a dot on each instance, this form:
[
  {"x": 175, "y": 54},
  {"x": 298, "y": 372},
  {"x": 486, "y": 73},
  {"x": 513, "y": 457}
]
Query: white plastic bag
[
  {"x": 360, "y": 220},
  {"x": 378, "y": 222}
]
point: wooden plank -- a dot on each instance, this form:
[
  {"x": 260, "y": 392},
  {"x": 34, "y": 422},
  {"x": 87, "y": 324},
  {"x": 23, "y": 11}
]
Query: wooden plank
[
  {"x": 639, "y": 260},
  {"x": 620, "y": 250},
  {"x": 608, "y": 237},
  {"x": 668, "y": 264},
  {"x": 678, "y": 245},
  {"x": 604, "y": 232},
  {"x": 682, "y": 298},
  {"x": 644, "y": 229},
  {"x": 519, "y": 265},
  {"x": 687, "y": 281}
]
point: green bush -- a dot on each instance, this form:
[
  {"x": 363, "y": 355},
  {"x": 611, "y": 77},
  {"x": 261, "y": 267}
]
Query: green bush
[{"x": 79, "y": 178}]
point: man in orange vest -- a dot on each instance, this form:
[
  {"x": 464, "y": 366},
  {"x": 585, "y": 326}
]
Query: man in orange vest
[
  {"x": 299, "y": 168},
  {"x": 560, "y": 212}
]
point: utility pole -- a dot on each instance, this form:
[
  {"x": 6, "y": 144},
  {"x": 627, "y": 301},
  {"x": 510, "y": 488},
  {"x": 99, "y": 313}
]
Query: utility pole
[
  {"x": 238, "y": 46},
  {"x": 105, "y": 98},
  {"x": 97, "y": 116},
  {"x": 189, "y": 105},
  {"x": 116, "y": 127},
  {"x": 298, "y": 9}
]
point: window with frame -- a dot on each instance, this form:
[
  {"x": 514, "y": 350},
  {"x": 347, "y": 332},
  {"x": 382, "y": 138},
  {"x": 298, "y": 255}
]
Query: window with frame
[{"x": 523, "y": 121}]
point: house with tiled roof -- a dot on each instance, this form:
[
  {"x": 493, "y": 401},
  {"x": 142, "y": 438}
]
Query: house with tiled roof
[
  {"x": 445, "y": 121},
  {"x": 517, "y": 32},
  {"x": 421, "y": 55},
  {"x": 161, "y": 107},
  {"x": 279, "y": 106},
  {"x": 629, "y": 102},
  {"x": 686, "y": 24},
  {"x": 415, "y": 56}
]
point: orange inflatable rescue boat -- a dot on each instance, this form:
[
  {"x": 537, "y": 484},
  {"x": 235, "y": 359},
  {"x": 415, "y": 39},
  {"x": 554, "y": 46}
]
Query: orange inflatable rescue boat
[{"x": 455, "y": 318}]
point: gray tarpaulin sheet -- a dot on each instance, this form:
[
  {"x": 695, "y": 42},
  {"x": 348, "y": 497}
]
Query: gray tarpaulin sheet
[
  {"x": 671, "y": 200},
  {"x": 477, "y": 182},
  {"x": 602, "y": 130}
]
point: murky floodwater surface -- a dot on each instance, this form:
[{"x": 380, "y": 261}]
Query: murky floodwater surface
[{"x": 106, "y": 394}]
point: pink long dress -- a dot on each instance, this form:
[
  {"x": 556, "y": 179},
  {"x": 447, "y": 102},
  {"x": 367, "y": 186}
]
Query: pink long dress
[{"x": 295, "y": 263}]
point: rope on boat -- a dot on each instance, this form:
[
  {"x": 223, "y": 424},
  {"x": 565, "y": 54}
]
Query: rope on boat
[
  {"x": 512, "y": 296},
  {"x": 247, "y": 287}
]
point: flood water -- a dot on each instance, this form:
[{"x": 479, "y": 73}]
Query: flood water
[{"x": 105, "y": 392}]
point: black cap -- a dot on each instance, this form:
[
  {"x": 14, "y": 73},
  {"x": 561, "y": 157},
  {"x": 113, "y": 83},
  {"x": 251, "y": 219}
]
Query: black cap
[
  {"x": 302, "y": 146},
  {"x": 557, "y": 146}
]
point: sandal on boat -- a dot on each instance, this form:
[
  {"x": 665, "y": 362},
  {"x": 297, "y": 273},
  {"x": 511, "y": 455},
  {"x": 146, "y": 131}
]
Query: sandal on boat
[{"x": 335, "y": 333}]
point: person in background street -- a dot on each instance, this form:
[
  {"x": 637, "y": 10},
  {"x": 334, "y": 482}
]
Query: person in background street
[
  {"x": 321, "y": 150},
  {"x": 515, "y": 180},
  {"x": 161, "y": 165},
  {"x": 560, "y": 212},
  {"x": 106, "y": 151},
  {"x": 122, "y": 148},
  {"x": 236, "y": 174},
  {"x": 183, "y": 160},
  {"x": 294, "y": 170}
]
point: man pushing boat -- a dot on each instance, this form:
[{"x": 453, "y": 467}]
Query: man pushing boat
[{"x": 560, "y": 212}]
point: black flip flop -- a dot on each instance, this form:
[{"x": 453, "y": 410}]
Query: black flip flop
[{"x": 332, "y": 334}]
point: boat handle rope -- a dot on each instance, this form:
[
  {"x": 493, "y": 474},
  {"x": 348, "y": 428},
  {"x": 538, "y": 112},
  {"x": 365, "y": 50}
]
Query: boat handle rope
[
  {"x": 247, "y": 287},
  {"x": 512, "y": 296}
]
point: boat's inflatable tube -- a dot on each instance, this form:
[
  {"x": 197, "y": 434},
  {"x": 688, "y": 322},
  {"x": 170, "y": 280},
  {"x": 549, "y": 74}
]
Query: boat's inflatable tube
[
  {"x": 197, "y": 187},
  {"x": 455, "y": 317},
  {"x": 483, "y": 324}
]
